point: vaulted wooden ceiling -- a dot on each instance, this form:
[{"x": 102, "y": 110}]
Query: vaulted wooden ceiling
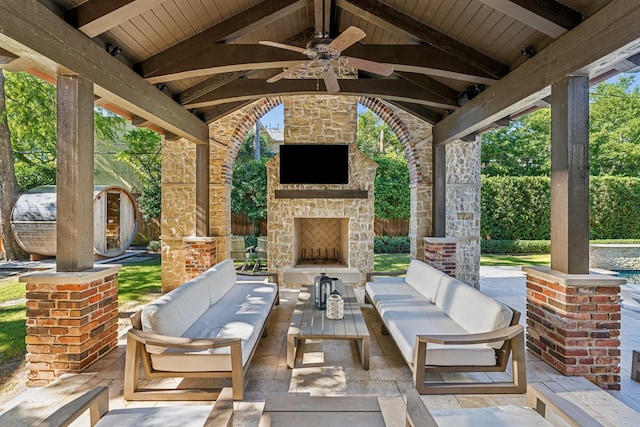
[{"x": 175, "y": 65}]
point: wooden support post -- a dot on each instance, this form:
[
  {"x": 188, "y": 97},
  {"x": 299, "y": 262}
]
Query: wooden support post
[
  {"x": 570, "y": 175},
  {"x": 439, "y": 207},
  {"x": 202, "y": 190},
  {"x": 74, "y": 227}
]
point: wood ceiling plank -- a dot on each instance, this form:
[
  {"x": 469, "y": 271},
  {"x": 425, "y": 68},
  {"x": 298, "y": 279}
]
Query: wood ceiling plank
[
  {"x": 95, "y": 17},
  {"x": 222, "y": 58},
  {"x": 31, "y": 30},
  {"x": 547, "y": 16},
  {"x": 206, "y": 86},
  {"x": 252, "y": 89},
  {"x": 607, "y": 38},
  {"x": 247, "y": 21},
  {"x": 394, "y": 20}
]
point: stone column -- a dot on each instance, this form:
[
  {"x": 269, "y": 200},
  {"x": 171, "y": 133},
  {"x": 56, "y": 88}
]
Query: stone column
[
  {"x": 463, "y": 207},
  {"x": 440, "y": 253},
  {"x": 72, "y": 320},
  {"x": 573, "y": 323}
]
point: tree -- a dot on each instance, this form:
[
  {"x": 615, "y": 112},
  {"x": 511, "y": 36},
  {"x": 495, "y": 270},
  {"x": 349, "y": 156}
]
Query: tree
[
  {"x": 523, "y": 148},
  {"x": 8, "y": 184},
  {"x": 378, "y": 141},
  {"x": 614, "y": 128},
  {"x": 144, "y": 156},
  {"x": 249, "y": 186}
]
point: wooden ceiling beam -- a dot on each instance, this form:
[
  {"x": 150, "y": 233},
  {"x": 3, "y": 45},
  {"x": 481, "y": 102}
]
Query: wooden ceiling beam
[
  {"x": 252, "y": 89},
  {"x": 396, "y": 22},
  {"x": 225, "y": 58},
  {"x": 547, "y": 16},
  {"x": 30, "y": 30},
  {"x": 419, "y": 111},
  {"x": 447, "y": 94},
  {"x": 95, "y": 17},
  {"x": 219, "y": 111},
  {"x": 206, "y": 86},
  {"x": 6, "y": 56},
  {"x": 238, "y": 25},
  {"x": 322, "y": 16},
  {"x": 609, "y": 36}
]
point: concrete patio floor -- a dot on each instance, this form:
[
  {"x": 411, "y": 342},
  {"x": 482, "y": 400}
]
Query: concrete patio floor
[{"x": 332, "y": 368}]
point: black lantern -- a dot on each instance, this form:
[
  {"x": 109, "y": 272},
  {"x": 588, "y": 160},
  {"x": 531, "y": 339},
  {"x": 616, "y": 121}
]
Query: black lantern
[{"x": 322, "y": 287}]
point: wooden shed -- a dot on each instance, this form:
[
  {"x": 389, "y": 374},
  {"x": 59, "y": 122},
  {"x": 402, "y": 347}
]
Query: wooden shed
[{"x": 115, "y": 213}]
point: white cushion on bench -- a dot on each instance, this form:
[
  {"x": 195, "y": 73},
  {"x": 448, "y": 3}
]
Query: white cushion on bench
[
  {"x": 406, "y": 313},
  {"x": 240, "y": 313},
  {"x": 424, "y": 278},
  {"x": 472, "y": 309}
]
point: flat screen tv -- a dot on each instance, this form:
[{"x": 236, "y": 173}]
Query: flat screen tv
[{"x": 314, "y": 164}]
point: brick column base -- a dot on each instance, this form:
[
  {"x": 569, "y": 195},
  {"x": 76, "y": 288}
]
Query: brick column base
[
  {"x": 440, "y": 253},
  {"x": 200, "y": 255},
  {"x": 573, "y": 323},
  {"x": 72, "y": 320}
]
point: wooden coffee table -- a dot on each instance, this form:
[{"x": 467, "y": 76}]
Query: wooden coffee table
[{"x": 310, "y": 323}]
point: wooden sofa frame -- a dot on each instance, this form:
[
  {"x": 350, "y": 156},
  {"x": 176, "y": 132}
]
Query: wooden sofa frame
[
  {"x": 137, "y": 340},
  {"x": 513, "y": 337},
  {"x": 96, "y": 402},
  {"x": 539, "y": 397}
]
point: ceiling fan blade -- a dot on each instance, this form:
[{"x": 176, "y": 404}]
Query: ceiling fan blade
[
  {"x": 366, "y": 65},
  {"x": 330, "y": 80},
  {"x": 284, "y": 46},
  {"x": 348, "y": 37},
  {"x": 287, "y": 72}
]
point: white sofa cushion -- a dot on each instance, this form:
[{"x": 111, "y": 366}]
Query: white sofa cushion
[
  {"x": 471, "y": 309},
  {"x": 219, "y": 279},
  {"x": 239, "y": 314},
  {"x": 174, "y": 312},
  {"x": 406, "y": 314},
  {"x": 424, "y": 278}
]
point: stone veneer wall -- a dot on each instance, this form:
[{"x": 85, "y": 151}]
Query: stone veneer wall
[
  {"x": 463, "y": 207},
  {"x": 325, "y": 120},
  {"x": 614, "y": 257},
  {"x": 178, "y": 208}
]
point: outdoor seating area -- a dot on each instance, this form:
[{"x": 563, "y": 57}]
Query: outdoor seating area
[
  {"x": 443, "y": 325},
  {"x": 334, "y": 368}
]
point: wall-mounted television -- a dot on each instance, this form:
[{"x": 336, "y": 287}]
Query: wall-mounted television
[{"x": 314, "y": 164}]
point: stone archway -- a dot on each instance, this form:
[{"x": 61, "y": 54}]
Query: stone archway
[{"x": 413, "y": 133}]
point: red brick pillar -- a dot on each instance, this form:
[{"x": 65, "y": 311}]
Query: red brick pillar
[
  {"x": 72, "y": 320},
  {"x": 200, "y": 255},
  {"x": 440, "y": 253},
  {"x": 573, "y": 323}
]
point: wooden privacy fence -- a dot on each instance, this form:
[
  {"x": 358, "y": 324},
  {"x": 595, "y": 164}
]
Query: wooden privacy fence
[{"x": 242, "y": 226}]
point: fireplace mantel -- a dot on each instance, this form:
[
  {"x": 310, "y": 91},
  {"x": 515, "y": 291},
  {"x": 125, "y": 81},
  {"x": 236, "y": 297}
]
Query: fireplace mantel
[{"x": 321, "y": 194}]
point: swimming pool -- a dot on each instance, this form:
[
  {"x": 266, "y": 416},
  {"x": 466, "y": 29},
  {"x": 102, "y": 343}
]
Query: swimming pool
[{"x": 632, "y": 276}]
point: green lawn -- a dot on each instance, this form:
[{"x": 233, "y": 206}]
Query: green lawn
[
  {"x": 12, "y": 321},
  {"x": 139, "y": 283},
  {"x": 390, "y": 262},
  {"x": 515, "y": 260}
]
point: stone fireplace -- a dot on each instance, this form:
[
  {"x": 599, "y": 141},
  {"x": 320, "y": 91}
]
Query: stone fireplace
[{"x": 328, "y": 227}]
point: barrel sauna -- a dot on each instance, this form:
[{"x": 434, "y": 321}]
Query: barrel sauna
[{"x": 115, "y": 213}]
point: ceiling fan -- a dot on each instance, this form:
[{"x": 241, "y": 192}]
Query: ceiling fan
[{"x": 324, "y": 53}]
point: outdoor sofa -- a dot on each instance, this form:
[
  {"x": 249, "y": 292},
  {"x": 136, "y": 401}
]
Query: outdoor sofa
[
  {"x": 442, "y": 325},
  {"x": 207, "y": 328}
]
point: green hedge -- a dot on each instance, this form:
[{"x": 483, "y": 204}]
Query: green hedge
[
  {"x": 391, "y": 245},
  {"x": 519, "y": 208},
  {"x": 515, "y": 246}
]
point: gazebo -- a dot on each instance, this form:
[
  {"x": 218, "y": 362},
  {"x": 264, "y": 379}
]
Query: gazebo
[{"x": 194, "y": 71}]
